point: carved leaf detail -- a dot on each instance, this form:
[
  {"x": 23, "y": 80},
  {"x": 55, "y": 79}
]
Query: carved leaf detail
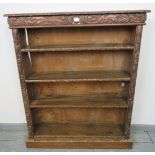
[{"x": 83, "y": 19}]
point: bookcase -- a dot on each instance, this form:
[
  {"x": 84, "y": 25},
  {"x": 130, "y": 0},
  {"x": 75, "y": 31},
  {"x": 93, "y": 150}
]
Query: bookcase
[{"x": 78, "y": 74}]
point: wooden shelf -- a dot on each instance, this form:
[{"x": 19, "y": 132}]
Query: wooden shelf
[
  {"x": 78, "y": 47},
  {"x": 77, "y": 129},
  {"x": 93, "y": 101},
  {"x": 77, "y": 76}
]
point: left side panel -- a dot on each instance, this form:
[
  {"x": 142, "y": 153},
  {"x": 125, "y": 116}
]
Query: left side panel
[{"x": 23, "y": 62}]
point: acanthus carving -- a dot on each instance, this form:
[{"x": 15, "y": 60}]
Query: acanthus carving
[
  {"x": 115, "y": 19},
  {"x": 83, "y": 20}
]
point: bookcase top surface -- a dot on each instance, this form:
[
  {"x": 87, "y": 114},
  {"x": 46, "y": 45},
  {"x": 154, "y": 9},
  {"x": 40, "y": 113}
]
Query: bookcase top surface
[
  {"x": 75, "y": 19},
  {"x": 76, "y": 13}
]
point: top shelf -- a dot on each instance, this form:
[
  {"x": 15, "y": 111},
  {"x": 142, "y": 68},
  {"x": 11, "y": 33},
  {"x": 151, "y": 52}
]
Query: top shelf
[{"x": 78, "y": 47}]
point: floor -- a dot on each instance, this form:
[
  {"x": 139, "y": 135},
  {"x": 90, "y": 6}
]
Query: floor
[{"x": 12, "y": 138}]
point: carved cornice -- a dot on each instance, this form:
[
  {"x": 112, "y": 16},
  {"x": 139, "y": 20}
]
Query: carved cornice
[{"x": 49, "y": 21}]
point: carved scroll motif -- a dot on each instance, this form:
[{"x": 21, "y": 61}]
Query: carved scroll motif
[{"x": 83, "y": 20}]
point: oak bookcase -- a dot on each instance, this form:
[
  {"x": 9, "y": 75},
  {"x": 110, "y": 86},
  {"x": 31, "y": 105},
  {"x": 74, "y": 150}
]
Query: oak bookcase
[{"x": 78, "y": 74}]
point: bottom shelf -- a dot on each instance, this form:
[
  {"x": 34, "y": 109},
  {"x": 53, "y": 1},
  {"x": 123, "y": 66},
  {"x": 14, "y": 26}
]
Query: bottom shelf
[
  {"x": 64, "y": 129},
  {"x": 78, "y": 135}
]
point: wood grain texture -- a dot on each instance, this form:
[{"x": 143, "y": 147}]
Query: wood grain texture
[
  {"x": 80, "y": 61},
  {"x": 93, "y": 101},
  {"x": 89, "y": 115},
  {"x": 81, "y": 47},
  {"x": 74, "y": 129},
  {"x": 79, "y": 76},
  {"x": 90, "y": 36},
  {"x": 49, "y": 89}
]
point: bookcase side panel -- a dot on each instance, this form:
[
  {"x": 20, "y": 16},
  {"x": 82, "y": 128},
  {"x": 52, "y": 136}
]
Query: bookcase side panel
[
  {"x": 17, "y": 37},
  {"x": 135, "y": 59}
]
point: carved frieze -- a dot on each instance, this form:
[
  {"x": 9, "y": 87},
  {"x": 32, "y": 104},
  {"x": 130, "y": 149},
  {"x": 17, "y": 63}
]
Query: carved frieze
[{"x": 105, "y": 19}]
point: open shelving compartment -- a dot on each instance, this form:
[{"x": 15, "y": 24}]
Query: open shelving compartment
[{"x": 78, "y": 82}]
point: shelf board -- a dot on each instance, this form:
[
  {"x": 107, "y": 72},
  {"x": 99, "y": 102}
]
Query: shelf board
[
  {"x": 77, "y": 129},
  {"x": 78, "y": 47},
  {"x": 77, "y": 76},
  {"x": 93, "y": 101}
]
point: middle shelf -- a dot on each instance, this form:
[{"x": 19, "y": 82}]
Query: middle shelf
[
  {"x": 88, "y": 101},
  {"x": 78, "y": 76},
  {"x": 78, "y": 47}
]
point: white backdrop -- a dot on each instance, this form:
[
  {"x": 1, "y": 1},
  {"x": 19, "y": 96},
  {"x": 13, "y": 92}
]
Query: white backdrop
[{"x": 11, "y": 103}]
